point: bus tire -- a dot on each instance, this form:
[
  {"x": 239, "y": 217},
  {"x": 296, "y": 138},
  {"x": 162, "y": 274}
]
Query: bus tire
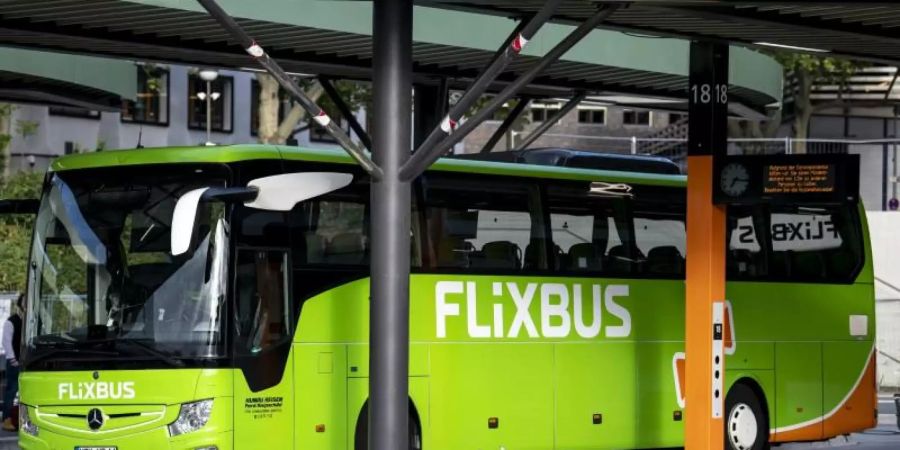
[
  {"x": 361, "y": 436},
  {"x": 747, "y": 422}
]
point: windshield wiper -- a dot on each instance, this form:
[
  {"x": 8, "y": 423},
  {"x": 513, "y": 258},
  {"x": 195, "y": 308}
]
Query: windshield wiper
[
  {"x": 152, "y": 351},
  {"x": 60, "y": 344},
  {"x": 55, "y": 340},
  {"x": 78, "y": 351}
]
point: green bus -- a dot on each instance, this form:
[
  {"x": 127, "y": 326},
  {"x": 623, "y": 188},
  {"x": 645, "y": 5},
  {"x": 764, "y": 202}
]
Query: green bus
[{"x": 217, "y": 298}]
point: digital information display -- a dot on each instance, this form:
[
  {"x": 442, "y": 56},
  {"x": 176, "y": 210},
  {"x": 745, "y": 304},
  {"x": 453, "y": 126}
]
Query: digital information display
[
  {"x": 782, "y": 179},
  {"x": 786, "y": 179}
]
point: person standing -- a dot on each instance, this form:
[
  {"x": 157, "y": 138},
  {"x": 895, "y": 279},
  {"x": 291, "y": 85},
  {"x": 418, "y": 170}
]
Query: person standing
[{"x": 12, "y": 340}]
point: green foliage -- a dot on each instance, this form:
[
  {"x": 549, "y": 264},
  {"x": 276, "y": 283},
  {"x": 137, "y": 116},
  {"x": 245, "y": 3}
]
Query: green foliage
[
  {"x": 154, "y": 75},
  {"x": 15, "y": 231},
  {"x": 355, "y": 94},
  {"x": 821, "y": 68}
]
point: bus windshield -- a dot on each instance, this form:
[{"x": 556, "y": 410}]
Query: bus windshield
[{"x": 103, "y": 282}]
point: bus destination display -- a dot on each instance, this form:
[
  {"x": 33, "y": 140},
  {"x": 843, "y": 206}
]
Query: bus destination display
[{"x": 786, "y": 179}]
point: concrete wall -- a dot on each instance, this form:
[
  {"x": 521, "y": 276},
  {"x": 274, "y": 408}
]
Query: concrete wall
[
  {"x": 577, "y": 135},
  {"x": 884, "y": 230},
  {"x": 876, "y": 185},
  {"x": 87, "y": 133}
]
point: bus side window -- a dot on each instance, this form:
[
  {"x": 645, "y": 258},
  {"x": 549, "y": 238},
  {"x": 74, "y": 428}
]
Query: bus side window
[
  {"x": 487, "y": 225},
  {"x": 746, "y": 256},
  {"x": 262, "y": 312},
  {"x": 812, "y": 244},
  {"x": 816, "y": 244},
  {"x": 332, "y": 231},
  {"x": 585, "y": 230},
  {"x": 659, "y": 231}
]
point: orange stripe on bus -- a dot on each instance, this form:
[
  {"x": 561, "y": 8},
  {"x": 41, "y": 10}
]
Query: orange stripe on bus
[{"x": 855, "y": 414}]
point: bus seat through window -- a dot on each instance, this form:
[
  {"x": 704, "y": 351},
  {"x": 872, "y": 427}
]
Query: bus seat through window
[
  {"x": 454, "y": 252},
  {"x": 617, "y": 260},
  {"x": 665, "y": 260},
  {"x": 346, "y": 248},
  {"x": 584, "y": 256},
  {"x": 499, "y": 255}
]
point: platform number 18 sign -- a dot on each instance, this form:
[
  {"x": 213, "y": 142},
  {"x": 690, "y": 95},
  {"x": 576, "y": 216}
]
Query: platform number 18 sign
[{"x": 708, "y": 93}]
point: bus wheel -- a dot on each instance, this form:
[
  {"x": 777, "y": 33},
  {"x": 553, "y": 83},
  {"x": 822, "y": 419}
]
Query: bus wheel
[
  {"x": 362, "y": 431},
  {"x": 746, "y": 426}
]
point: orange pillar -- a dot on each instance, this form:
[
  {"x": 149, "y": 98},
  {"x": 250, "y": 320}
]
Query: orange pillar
[
  {"x": 705, "y": 288},
  {"x": 706, "y": 247}
]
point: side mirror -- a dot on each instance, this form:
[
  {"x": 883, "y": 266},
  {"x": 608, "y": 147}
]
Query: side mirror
[
  {"x": 183, "y": 219},
  {"x": 185, "y": 214},
  {"x": 283, "y": 192},
  {"x": 274, "y": 193}
]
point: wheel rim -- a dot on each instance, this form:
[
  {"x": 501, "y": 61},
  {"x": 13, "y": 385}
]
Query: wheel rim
[{"x": 742, "y": 427}]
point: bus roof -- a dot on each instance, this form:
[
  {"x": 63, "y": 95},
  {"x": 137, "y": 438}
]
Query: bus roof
[{"x": 236, "y": 153}]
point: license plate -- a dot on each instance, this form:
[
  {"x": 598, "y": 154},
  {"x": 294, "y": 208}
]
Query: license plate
[{"x": 96, "y": 448}]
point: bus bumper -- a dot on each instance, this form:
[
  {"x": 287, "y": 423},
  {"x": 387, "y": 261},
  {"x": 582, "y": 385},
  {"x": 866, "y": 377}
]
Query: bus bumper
[{"x": 149, "y": 440}]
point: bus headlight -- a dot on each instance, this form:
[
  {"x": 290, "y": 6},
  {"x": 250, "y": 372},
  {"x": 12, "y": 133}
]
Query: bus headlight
[
  {"x": 192, "y": 417},
  {"x": 25, "y": 423}
]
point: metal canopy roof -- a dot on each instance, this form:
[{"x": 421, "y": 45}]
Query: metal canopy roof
[
  {"x": 172, "y": 31},
  {"x": 22, "y": 88},
  {"x": 857, "y": 29},
  {"x": 65, "y": 80}
]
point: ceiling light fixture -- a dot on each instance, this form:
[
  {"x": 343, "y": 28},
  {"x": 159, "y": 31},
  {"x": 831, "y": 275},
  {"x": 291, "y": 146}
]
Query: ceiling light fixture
[{"x": 792, "y": 47}]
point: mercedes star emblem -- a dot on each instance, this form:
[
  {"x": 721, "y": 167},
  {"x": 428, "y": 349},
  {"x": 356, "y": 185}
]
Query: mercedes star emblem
[{"x": 95, "y": 419}]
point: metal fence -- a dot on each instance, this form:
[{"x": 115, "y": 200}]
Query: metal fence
[{"x": 676, "y": 148}]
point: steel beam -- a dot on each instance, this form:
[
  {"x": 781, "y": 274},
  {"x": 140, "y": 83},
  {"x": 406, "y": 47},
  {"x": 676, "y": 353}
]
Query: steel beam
[
  {"x": 342, "y": 106},
  {"x": 286, "y": 82},
  {"x": 426, "y": 156},
  {"x": 550, "y": 121},
  {"x": 389, "y": 290},
  {"x": 510, "y": 49},
  {"x": 506, "y": 124}
]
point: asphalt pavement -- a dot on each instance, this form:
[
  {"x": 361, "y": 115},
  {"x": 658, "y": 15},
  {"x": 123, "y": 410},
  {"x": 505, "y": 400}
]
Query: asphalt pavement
[
  {"x": 8, "y": 440},
  {"x": 885, "y": 437}
]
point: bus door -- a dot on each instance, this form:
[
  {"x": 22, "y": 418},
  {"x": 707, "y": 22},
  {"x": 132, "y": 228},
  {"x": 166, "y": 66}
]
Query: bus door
[
  {"x": 330, "y": 255},
  {"x": 263, "y": 318}
]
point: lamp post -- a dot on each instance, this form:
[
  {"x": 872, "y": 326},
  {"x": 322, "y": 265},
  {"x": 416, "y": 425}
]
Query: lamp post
[{"x": 208, "y": 75}]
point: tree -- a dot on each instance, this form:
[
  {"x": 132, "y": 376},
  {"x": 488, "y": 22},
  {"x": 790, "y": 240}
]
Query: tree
[
  {"x": 273, "y": 131},
  {"x": 5, "y": 137},
  {"x": 23, "y": 129},
  {"x": 806, "y": 71},
  {"x": 15, "y": 231}
]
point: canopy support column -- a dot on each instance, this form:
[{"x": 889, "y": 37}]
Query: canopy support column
[
  {"x": 550, "y": 121},
  {"x": 510, "y": 119},
  {"x": 705, "y": 286},
  {"x": 389, "y": 290}
]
